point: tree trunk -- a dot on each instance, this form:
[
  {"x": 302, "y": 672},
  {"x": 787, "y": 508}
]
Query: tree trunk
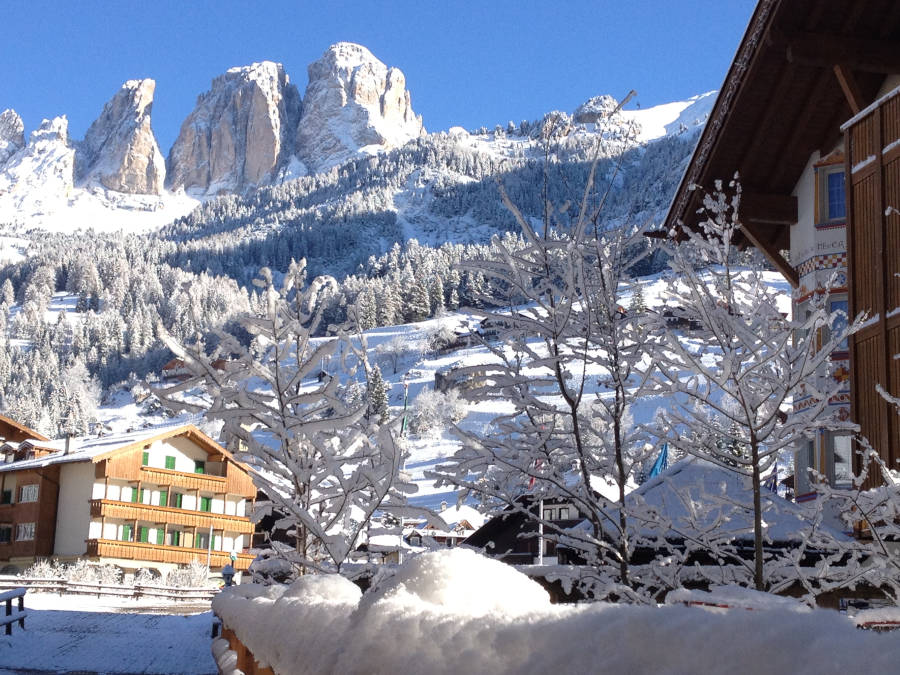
[{"x": 757, "y": 519}]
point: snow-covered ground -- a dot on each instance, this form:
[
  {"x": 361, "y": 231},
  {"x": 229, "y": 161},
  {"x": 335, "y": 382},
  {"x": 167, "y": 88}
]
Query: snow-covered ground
[
  {"x": 67, "y": 634},
  {"x": 416, "y": 369}
]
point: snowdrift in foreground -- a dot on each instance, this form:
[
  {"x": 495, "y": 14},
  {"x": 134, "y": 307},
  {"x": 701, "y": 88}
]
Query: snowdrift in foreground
[{"x": 456, "y": 611}]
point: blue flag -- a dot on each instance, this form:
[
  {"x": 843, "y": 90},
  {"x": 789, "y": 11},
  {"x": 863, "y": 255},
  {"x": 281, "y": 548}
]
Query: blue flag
[{"x": 661, "y": 463}]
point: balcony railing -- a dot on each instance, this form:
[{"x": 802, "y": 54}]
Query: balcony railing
[
  {"x": 131, "y": 550},
  {"x": 190, "y": 481},
  {"x": 107, "y": 508}
]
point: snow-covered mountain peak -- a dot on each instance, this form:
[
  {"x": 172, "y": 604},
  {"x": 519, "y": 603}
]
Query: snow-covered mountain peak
[
  {"x": 12, "y": 134},
  {"x": 240, "y": 134},
  {"x": 674, "y": 118},
  {"x": 595, "y": 109},
  {"x": 353, "y": 102},
  {"x": 52, "y": 131},
  {"x": 119, "y": 150}
]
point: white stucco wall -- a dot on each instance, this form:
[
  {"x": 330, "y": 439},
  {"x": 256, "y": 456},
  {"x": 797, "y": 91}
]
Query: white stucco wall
[
  {"x": 73, "y": 513},
  {"x": 185, "y": 452}
]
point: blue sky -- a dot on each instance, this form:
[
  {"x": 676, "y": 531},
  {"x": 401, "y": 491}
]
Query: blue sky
[{"x": 466, "y": 63}]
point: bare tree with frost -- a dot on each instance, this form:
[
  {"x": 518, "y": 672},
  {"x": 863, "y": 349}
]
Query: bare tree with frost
[
  {"x": 570, "y": 361},
  {"x": 326, "y": 469},
  {"x": 749, "y": 382}
]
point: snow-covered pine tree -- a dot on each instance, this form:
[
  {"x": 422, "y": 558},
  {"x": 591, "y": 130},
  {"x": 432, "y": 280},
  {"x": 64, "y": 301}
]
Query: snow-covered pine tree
[
  {"x": 378, "y": 396},
  {"x": 738, "y": 379},
  {"x": 324, "y": 468}
]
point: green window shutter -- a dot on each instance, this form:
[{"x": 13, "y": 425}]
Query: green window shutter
[
  {"x": 199, "y": 467},
  {"x": 176, "y": 538},
  {"x": 126, "y": 533},
  {"x": 134, "y": 495},
  {"x": 163, "y": 498},
  {"x": 160, "y": 536},
  {"x": 197, "y": 541},
  {"x": 145, "y": 458},
  {"x": 143, "y": 492},
  {"x": 144, "y": 535},
  {"x": 170, "y": 463},
  {"x": 214, "y": 542},
  {"x": 206, "y": 504},
  {"x": 178, "y": 497}
]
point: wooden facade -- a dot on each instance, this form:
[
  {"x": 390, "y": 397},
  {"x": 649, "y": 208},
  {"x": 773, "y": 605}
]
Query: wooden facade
[
  {"x": 811, "y": 85},
  {"x": 41, "y": 513},
  {"x": 872, "y": 143}
]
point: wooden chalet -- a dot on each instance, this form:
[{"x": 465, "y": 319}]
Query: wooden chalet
[
  {"x": 155, "y": 498},
  {"x": 12, "y": 431},
  {"x": 809, "y": 119}
]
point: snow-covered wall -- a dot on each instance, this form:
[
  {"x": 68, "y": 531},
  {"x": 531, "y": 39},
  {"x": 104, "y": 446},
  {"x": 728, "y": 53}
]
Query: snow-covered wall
[{"x": 457, "y": 612}]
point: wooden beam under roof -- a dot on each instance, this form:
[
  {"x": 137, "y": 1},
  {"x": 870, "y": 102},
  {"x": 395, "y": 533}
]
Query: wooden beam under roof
[
  {"x": 825, "y": 50},
  {"x": 768, "y": 208},
  {"x": 850, "y": 87},
  {"x": 754, "y": 234}
]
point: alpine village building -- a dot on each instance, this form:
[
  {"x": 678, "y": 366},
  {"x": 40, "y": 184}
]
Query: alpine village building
[
  {"x": 809, "y": 120},
  {"x": 155, "y": 498}
]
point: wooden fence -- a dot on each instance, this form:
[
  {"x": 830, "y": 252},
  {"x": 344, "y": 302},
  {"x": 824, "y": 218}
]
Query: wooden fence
[
  {"x": 12, "y": 616},
  {"x": 63, "y": 587}
]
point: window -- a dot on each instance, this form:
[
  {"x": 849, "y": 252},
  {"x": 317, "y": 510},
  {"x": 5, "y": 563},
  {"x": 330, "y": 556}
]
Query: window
[
  {"x": 145, "y": 458},
  {"x": 837, "y": 206},
  {"x": 28, "y": 493},
  {"x": 843, "y": 459},
  {"x": 144, "y": 534},
  {"x": 6, "y": 497},
  {"x": 206, "y": 504},
  {"x": 5, "y": 534},
  {"x": 841, "y": 310},
  {"x": 563, "y": 512},
  {"x": 25, "y": 532},
  {"x": 170, "y": 462},
  {"x": 199, "y": 467},
  {"x": 549, "y": 514},
  {"x": 163, "y": 498},
  {"x": 174, "y": 538},
  {"x": 176, "y": 500},
  {"x": 126, "y": 533}
]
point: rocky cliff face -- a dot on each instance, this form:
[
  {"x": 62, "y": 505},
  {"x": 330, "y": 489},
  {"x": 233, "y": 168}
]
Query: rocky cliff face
[
  {"x": 12, "y": 135},
  {"x": 119, "y": 150},
  {"x": 240, "y": 134},
  {"x": 352, "y": 101}
]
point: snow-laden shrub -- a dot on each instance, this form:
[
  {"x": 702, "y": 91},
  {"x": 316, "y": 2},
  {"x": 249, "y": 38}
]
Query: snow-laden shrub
[
  {"x": 145, "y": 576},
  {"x": 193, "y": 575},
  {"x": 435, "y": 410},
  {"x": 108, "y": 575},
  {"x": 81, "y": 572},
  {"x": 45, "y": 569}
]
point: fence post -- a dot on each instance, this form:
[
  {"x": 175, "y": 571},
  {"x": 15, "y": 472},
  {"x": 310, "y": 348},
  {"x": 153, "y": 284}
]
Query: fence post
[
  {"x": 22, "y": 609},
  {"x": 8, "y": 612}
]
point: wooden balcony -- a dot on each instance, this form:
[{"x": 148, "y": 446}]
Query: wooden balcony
[
  {"x": 131, "y": 550},
  {"x": 189, "y": 481},
  {"x": 108, "y": 508}
]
